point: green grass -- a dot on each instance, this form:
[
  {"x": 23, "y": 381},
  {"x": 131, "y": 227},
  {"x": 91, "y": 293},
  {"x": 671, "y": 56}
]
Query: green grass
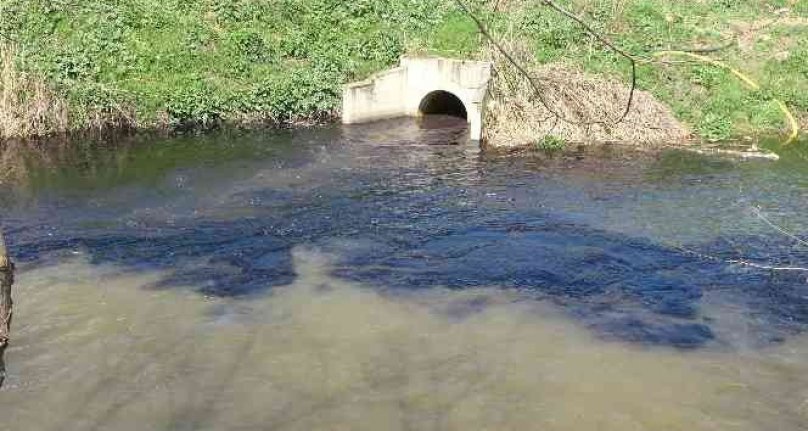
[
  {"x": 455, "y": 36},
  {"x": 198, "y": 63},
  {"x": 713, "y": 101},
  {"x": 550, "y": 144}
]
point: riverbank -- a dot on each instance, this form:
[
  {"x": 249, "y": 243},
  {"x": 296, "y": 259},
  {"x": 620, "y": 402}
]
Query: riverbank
[{"x": 199, "y": 64}]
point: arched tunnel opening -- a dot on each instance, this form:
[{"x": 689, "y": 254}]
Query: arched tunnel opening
[{"x": 443, "y": 103}]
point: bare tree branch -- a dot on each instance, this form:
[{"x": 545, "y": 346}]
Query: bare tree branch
[{"x": 536, "y": 89}]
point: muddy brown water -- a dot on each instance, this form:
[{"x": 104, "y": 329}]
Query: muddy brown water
[{"x": 377, "y": 278}]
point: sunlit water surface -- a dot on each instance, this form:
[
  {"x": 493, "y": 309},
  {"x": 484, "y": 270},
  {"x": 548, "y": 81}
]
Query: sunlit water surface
[{"x": 377, "y": 278}]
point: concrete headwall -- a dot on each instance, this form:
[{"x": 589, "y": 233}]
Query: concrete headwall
[{"x": 399, "y": 92}]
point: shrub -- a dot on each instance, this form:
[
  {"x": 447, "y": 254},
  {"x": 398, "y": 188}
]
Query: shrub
[{"x": 551, "y": 144}]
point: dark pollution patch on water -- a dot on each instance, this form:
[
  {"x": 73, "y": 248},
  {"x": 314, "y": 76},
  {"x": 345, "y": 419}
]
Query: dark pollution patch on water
[
  {"x": 601, "y": 235},
  {"x": 624, "y": 287}
]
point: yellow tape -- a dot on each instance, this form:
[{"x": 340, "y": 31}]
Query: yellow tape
[{"x": 795, "y": 127}]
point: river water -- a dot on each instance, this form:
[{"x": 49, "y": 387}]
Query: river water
[{"x": 391, "y": 277}]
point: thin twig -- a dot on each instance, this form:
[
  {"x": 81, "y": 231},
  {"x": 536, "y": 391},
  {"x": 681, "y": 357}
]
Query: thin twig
[
  {"x": 605, "y": 41},
  {"x": 741, "y": 262},
  {"x": 709, "y": 49},
  {"x": 506, "y": 54},
  {"x": 536, "y": 89},
  {"x": 764, "y": 219}
]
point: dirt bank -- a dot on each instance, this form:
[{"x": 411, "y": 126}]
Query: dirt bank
[{"x": 585, "y": 108}]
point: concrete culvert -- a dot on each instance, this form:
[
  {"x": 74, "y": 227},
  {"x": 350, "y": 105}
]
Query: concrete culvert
[
  {"x": 419, "y": 87},
  {"x": 443, "y": 103}
]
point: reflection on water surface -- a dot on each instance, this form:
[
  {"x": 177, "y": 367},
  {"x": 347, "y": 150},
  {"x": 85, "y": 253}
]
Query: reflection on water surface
[{"x": 375, "y": 277}]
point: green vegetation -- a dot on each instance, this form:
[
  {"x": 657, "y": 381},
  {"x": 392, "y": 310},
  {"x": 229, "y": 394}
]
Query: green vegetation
[
  {"x": 550, "y": 144},
  {"x": 197, "y": 63},
  {"x": 769, "y": 42}
]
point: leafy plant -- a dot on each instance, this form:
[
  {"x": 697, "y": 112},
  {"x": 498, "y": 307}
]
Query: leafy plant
[
  {"x": 715, "y": 127},
  {"x": 551, "y": 144}
]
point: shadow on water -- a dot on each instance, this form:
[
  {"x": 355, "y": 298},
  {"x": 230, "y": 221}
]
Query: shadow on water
[{"x": 402, "y": 210}]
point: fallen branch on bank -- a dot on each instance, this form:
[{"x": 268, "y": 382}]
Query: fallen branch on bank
[{"x": 6, "y": 304}]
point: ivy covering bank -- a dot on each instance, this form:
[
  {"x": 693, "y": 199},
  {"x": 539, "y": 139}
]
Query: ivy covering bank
[{"x": 198, "y": 63}]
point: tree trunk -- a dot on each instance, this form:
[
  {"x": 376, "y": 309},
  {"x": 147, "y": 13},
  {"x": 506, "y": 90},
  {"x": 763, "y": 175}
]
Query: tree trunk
[{"x": 6, "y": 304}]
